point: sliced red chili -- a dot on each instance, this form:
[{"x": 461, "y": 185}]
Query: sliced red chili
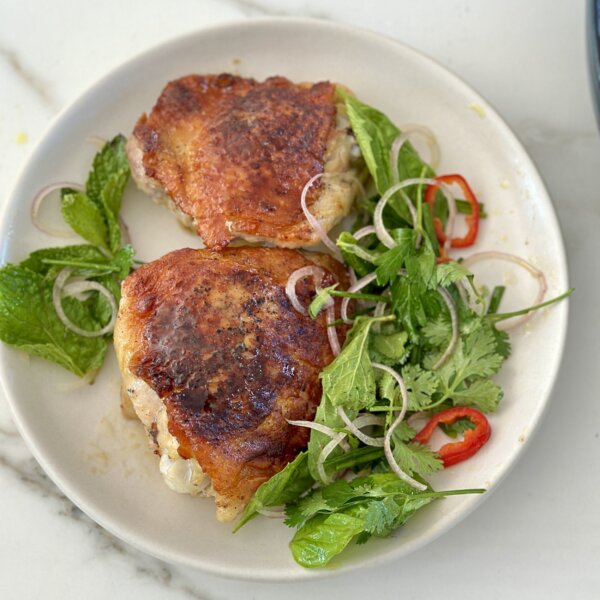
[
  {"x": 472, "y": 220},
  {"x": 473, "y": 440}
]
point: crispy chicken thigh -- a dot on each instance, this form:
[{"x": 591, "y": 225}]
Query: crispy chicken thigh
[
  {"x": 214, "y": 360},
  {"x": 230, "y": 156}
]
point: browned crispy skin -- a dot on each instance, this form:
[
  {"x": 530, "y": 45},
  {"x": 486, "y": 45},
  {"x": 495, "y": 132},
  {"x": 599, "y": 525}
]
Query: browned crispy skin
[
  {"x": 235, "y": 154},
  {"x": 218, "y": 340}
]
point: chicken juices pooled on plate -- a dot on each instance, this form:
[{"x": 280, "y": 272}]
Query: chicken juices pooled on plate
[{"x": 215, "y": 360}]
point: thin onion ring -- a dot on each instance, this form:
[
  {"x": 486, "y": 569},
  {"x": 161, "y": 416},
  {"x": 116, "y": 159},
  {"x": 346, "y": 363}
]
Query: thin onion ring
[
  {"x": 320, "y": 428},
  {"x": 290, "y": 287},
  {"x": 352, "y": 427},
  {"x": 406, "y": 132},
  {"x": 41, "y": 196},
  {"x": 78, "y": 287},
  {"x": 384, "y": 237},
  {"x": 387, "y": 442},
  {"x": 314, "y": 222},
  {"x": 447, "y": 298},
  {"x": 361, "y": 283},
  {"x": 363, "y": 232},
  {"x": 327, "y": 450},
  {"x": 332, "y": 335},
  {"x": 517, "y": 260}
]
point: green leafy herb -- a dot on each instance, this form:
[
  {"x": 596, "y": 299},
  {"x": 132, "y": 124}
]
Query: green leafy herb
[
  {"x": 329, "y": 518},
  {"x": 28, "y": 319},
  {"x": 320, "y": 300},
  {"x": 282, "y": 488},
  {"x": 29, "y": 322}
]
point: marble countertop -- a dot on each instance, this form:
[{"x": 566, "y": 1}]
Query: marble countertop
[{"x": 537, "y": 536}]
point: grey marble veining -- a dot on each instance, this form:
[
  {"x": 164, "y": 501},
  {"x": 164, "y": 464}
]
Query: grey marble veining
[{"x": 34, "y": 82}]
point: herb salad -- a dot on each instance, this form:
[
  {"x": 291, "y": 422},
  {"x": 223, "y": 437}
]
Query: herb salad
[{"x": 423, "y": 341}]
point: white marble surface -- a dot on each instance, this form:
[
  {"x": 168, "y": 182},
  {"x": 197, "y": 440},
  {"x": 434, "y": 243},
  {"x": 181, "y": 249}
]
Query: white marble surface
[{"x": 537, "y": 536}]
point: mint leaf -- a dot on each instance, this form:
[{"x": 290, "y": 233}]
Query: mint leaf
[
  {"x": 375, "y": 134},
  {"x": 389, "y": 349},
  {"x": 111, "y": 161},
  {"x": 29, "y": 322},
  {"x": 323, "y": 537},
  {"x": 85, "y": 218},
  {"x": 349, "y": 381},
  {"x": 111, "y": 195},
  {"x": 82, "y": 253}
]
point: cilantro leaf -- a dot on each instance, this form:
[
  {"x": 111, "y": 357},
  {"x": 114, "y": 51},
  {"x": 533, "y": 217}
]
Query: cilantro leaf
[
  {"x": 380, "y": 516},
  {"x": 414, "y": 458},
  {"x": 421, "y": 385},
  {"x": 450, "y": 272},
  {"x": 483, "y": 394}
]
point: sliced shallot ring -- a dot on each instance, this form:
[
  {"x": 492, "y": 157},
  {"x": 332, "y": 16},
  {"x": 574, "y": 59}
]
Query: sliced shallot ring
[
  {"x": 314, "y": 222},
  {"x": 77, "y": 288},
  {"x": 387, "y": 441},
  {"x": 41, "y": 196},
  {"x": 327, "y": 450},
  {"x": 363, "y": 232},
  {"x": 359, "y": 285},
  {"x": 332, "y": 335},
  {"x": 406, "y": 132},
  {"x": 352, "y": 276},
  {"x": 352, "y": 427},
  {"x": 447, "y": 298},
  {"x": 322, "y": 429},
  {"x": 290, "y": 288},
  {"x": 384, "y": 237},
  {"x": 517, "y": 260}
]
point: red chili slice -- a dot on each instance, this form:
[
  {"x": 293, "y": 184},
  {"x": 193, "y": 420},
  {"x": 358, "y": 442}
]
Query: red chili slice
[
  {"x": 474, "y": 439},
  {"x": 472, "y": 220}
]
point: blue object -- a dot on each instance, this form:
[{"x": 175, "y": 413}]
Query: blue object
[{"x": 593, "y": 19}]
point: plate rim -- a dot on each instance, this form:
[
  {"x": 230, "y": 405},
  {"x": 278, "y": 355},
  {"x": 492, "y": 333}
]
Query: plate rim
[{"x": 179, "y": 558}]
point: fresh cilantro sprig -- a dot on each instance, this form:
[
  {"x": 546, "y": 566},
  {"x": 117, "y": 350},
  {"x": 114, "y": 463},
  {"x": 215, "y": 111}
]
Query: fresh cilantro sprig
[{"x": 28, "y": 319}]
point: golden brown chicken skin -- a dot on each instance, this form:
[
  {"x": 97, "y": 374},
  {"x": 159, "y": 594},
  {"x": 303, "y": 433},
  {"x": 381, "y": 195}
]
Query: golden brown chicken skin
[
  {"x": 215, "y": 338},
  {"x": 233, "y": 155}
]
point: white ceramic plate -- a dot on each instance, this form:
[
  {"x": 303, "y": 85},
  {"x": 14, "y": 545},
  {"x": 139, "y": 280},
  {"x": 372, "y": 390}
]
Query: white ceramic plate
[{"x": 103, "y": 463}]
